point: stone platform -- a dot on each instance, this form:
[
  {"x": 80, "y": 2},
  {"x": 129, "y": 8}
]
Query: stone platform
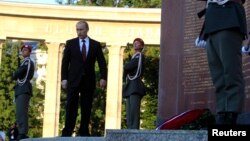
[
  {"x": 146, "y": 135},
  {"x": 66, "y": 139},
  {"x": 137, "y": 135}
]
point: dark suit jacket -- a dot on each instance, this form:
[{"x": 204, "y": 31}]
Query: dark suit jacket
[
  {"x": 229, "y": 15},
  {"x": 26, "y": 87},
  {"x": 73, "y": 66},
  {"x": 136, "y": 85}
]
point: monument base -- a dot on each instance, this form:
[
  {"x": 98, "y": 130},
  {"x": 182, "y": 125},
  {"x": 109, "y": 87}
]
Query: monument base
[{"x": 137, "y": 135}]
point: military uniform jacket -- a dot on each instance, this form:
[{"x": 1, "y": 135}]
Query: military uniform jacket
[
  {"x": 130, "y": 69},
  {"x": 23, "y": 75},
  {"x": 228, "y": 15}
]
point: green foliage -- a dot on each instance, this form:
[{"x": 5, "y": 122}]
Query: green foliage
[
  {"x": 123, "y": 120},
  {"x": 117, "y": 3},
  {"x": 151, "y": 75},
  {"x": 148, "y": 112},
  {"x": 98, "y": 113},
  {"x": 62, "y": 110},
  {"x": 141, "y": 3},
  {"x": 9, "y": 64},
  {"x": 36, "y": 111}
]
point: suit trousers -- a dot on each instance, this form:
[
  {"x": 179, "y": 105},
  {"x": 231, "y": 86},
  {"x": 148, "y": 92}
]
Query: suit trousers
[
  {"x": 133, "y": 104},
  {"x": 74, "y": 94},
  {"x": 22, "y": 107},
  {"x": 225, "y": 64}
]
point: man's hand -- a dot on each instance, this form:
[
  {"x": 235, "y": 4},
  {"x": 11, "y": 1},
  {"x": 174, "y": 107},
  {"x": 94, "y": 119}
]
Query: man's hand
[
  {"x": 103, "y": 84},
  {"x": 64, "y": 84}
]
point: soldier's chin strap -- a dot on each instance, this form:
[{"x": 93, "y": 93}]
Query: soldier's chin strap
[{"x": 22, "y": 81}]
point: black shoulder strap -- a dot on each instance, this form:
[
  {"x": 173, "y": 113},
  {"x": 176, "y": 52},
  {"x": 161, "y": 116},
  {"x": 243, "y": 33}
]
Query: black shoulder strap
[{"x": 201, "y": 13}]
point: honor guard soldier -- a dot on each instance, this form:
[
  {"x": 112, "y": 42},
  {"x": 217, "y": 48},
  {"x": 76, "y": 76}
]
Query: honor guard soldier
[
  {"x": 134, "y": 90},
  {"x": 225, "y": 28},
  {"x": 23, "y": 91}
]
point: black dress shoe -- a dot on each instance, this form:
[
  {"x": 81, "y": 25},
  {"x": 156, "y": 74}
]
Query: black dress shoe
[
  {"x": 65, "y": 136},
  {"x": 226, "y": 118},
  {"x": 85, "y": 135},
  {"x": 66, "y": 133}
]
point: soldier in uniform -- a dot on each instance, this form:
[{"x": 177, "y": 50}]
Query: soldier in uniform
[
  {"x": 225, "y": 29},
  {"x": 134, "y": 89},
  {"x": 23, "y": 91}
]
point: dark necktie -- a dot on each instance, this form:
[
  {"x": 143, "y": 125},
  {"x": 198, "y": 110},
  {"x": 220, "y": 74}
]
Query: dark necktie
[{"x": 83, "y": 50}]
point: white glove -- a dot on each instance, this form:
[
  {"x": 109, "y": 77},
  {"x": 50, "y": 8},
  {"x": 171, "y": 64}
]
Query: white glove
[
  {"x": 200, "y": 43},
  {"x": 245, "y": 50},
  {"x": 64, "y": 84}
]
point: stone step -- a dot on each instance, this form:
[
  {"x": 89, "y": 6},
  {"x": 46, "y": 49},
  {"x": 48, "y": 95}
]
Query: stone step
[
  {"x": 156, "y": 135},
  {"x": 137, "y": 135},
  {"x": 66, "y": 139}
]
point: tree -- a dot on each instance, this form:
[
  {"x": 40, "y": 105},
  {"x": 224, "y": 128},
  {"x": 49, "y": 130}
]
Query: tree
[
  {"x": 7, "y": 106},
  {"x": 36, "y": 111},
  {"x": 8, "y": 65},
  {"x": 149, "y": 102},
  {"x": 141, "y": 3}
]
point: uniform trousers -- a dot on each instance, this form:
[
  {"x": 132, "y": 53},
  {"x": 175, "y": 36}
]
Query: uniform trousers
[
  {"x": 225, "y": 64},
  {"x": 22, "y": 107},
  {"x": 133, "y": 104}
]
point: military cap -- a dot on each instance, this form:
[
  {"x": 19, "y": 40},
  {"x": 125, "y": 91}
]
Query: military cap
[
  {"x": 139, "y": 40},
  {"x": 27, "y": 46}
]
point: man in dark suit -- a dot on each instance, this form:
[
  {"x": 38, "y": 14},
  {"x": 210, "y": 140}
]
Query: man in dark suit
[
  {"x": 78, "y": 77},
  {"x": 23, "y": 91},
  {"x": 225, "y": 30}
]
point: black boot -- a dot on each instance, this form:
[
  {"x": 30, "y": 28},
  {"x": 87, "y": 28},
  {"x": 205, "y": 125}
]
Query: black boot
[{"x": 226, "y": 118}]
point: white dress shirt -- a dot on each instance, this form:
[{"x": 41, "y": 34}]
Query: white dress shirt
[{"x": 86, "y": 44}]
